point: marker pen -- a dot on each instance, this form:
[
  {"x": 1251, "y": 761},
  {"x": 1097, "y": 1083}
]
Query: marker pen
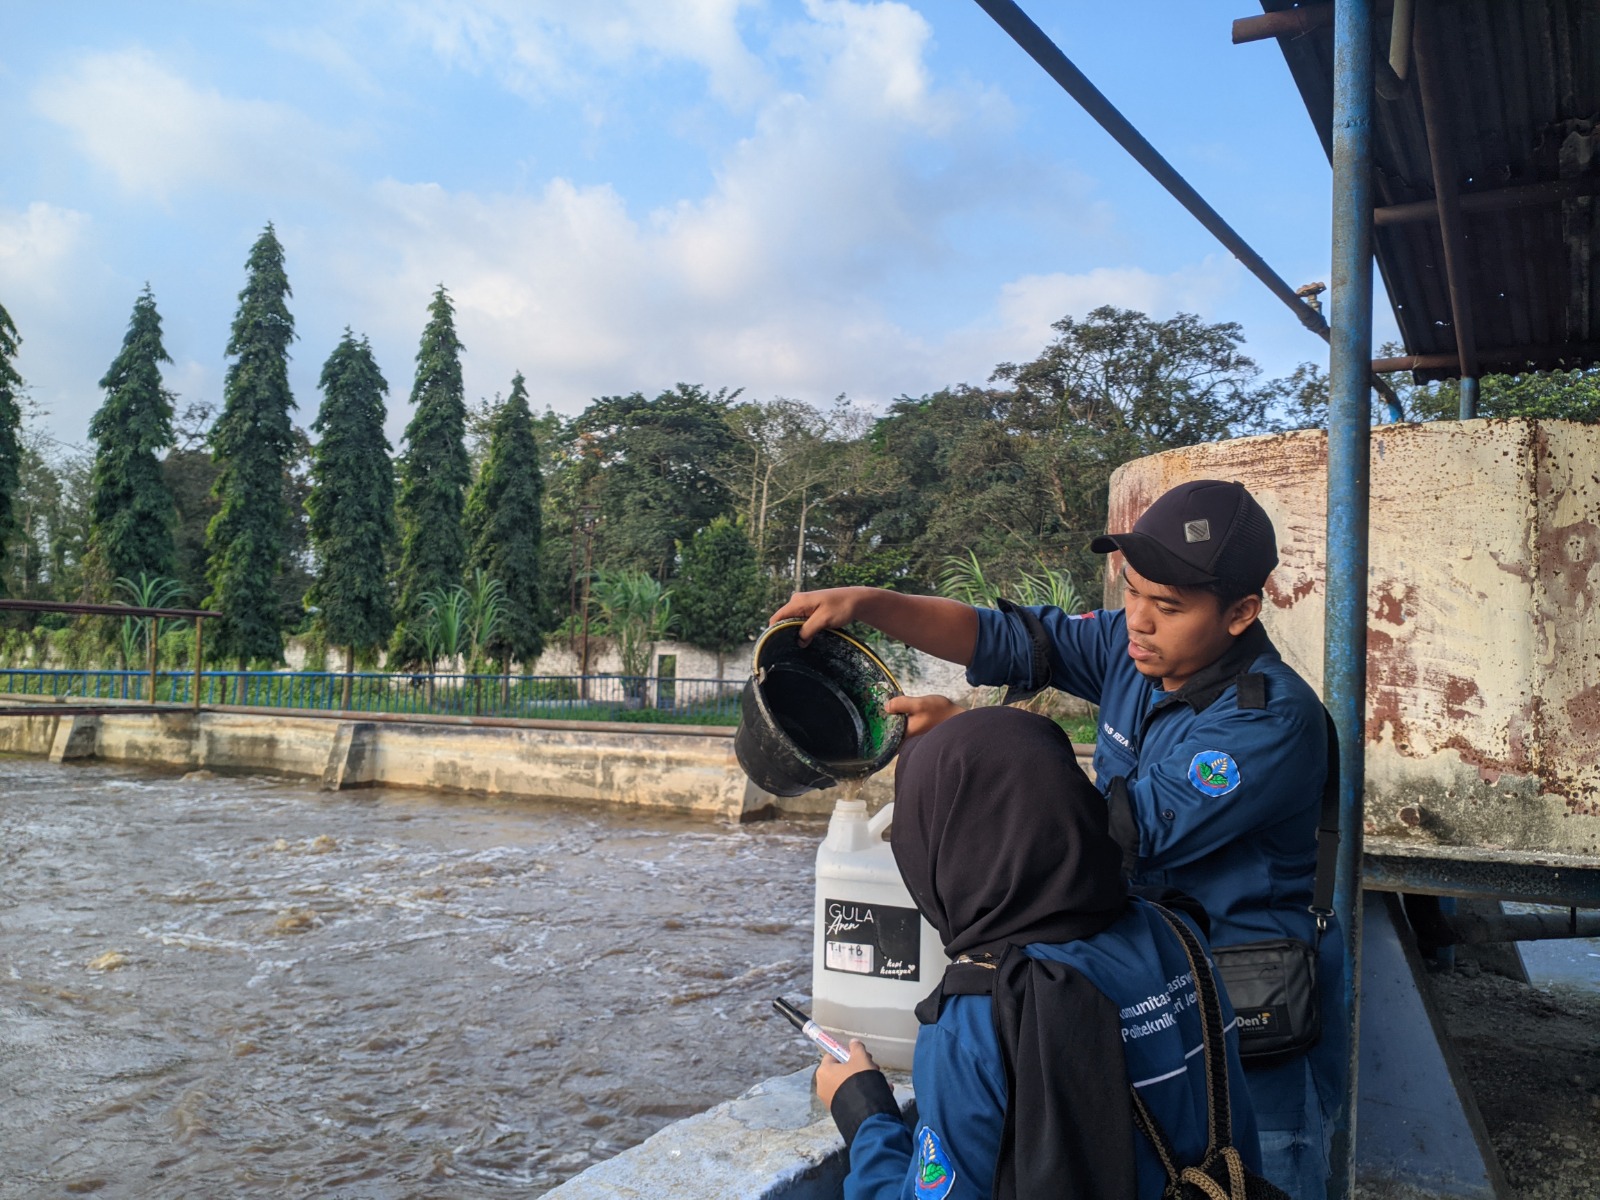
[{"x": 811, "y": 1030}]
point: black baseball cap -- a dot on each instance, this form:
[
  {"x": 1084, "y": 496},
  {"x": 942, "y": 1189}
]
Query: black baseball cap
[{"x": 1202, "y": 532}]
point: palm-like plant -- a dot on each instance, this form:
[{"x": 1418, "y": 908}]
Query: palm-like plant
[
  {"x": 486, "y": 608},
  {"x": 964, "y": 579},
  {"x": 139, "y": 637},
  {"x": 637, "y": 612},
  {"x": 444, "y": 626}
]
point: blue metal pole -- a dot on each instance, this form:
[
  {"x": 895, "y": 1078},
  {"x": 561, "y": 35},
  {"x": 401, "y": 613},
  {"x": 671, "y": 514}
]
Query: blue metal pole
[
  {"x": 1349, "y": 435},
  {"x": 1468, "y": 398}
]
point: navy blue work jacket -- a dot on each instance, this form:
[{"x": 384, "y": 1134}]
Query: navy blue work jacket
[
  {"x": 1210, "y": 796},
  {"x": 959, "y": 1074}
]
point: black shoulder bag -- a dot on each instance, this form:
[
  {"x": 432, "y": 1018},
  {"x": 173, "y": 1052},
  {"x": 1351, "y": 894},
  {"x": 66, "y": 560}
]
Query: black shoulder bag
[
  {"x": 1273, "y": 984},
  {"x": 1221, "y": 1174}
]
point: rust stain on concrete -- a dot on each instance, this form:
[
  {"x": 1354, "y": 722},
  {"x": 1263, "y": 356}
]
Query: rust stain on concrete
[{"x": 1484, "y": 614}]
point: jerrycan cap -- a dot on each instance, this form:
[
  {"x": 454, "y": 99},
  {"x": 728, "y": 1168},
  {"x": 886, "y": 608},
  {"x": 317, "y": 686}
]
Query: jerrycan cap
[{"x": 813, "y": 716}]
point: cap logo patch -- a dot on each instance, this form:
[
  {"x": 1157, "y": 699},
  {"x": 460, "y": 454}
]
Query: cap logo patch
[
  {"x": 1197, "y": 531},
  {"x": 1214, "y": 773}
]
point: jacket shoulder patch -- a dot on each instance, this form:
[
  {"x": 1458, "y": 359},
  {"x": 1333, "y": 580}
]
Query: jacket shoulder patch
[
  {"x": 931, "y": 1169},
  {"x": 1214, "y": 772}
]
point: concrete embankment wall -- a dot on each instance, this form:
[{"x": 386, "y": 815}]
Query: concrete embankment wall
[{"x": 688, "y": 769}]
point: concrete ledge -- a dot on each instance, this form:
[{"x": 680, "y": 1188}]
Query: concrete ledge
[
  {"x": 775, "y": 1142},
  {"x": 685, "y": 770}
]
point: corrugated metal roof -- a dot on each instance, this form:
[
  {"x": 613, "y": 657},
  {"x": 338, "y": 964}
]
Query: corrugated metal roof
[{"x": 1521, "y": 83}]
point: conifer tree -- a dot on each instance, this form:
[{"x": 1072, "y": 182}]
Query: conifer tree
[
  {"x": 251, "y": 444},
  {"x": 351, "y": 504},
  {"x": 718, "y": 593},
  {"x": 131, "y": 512},
  {"x": 434, "y": 474},
  {"x": 10, "y": 436},
  {"x": 504, "y": 525}
]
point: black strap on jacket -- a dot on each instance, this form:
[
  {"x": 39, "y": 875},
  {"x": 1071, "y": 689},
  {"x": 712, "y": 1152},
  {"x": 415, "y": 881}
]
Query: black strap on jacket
[{"x": 1039, "y": 669}]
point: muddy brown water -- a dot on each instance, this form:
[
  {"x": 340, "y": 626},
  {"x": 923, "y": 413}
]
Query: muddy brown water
[{"x": 244, "y": 987}]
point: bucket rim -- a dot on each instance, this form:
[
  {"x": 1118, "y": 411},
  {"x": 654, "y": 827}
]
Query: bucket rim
[{"x": 790, "y": 622}]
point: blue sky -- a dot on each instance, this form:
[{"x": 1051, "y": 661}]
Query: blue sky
[{"x": 801, "y": 198}]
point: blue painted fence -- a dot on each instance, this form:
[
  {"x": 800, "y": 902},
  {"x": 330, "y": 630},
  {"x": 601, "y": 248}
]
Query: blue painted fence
[{"x": 568, "y": 697}]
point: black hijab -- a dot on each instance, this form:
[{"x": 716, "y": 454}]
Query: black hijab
[
  {"x": 999, "y": 835},
  {"x": 1001, "y": 840}
]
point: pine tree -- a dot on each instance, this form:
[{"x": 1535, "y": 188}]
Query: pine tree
[
  {"x": 504, "y": 525},
  {"x": 131, "y": 512},
  {"x": 351, "y": 504},
  {"x": 718, "y": 592},
  {"x": 251, "y": 444},
  {"x": 434, "y": 474},
  {"x": 10, "y": 436}
]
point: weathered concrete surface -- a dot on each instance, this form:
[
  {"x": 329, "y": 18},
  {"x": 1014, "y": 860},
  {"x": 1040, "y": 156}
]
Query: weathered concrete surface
[
  {"x": 74, "y": 737},
  {"x": 28, "y": 735},
  {"x": 1483, "y": 643},
  {"x": 775, "y": 1142},
  {"x": 691, "y": 771}
]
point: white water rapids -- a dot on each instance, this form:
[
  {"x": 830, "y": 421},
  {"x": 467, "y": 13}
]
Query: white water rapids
[{"x": 243, "y": 987}]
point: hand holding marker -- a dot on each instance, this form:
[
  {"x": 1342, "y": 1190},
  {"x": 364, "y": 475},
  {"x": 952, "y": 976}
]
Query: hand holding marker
[{"x": 811, "y": 1030}]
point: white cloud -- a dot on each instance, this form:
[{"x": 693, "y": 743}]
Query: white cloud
[
  {"x": 157, "y": 134},
  {"x": 37, "y": 246},
  {"x": 1032, "y": 303},
  {"x": 772, "y": 279},
  {"x": 539, "y": 47}
]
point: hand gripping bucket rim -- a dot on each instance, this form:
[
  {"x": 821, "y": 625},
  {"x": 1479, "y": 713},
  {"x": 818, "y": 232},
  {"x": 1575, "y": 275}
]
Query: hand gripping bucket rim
[{"x": 849, "y": 680}]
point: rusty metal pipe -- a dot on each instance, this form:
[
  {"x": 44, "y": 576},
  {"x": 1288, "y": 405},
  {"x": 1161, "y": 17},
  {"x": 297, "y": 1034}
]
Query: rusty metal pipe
[
  {"x": 1495, "y": 200},
  {"x": 1400, "y": 39},
  {"x": 1349, "y": 498},
  {"x": 1467, "y": 929},
  {"x": 1291, "y": 22},
  {"x": 1442, "y": 157},
  {"x": 104, "y": 610}
]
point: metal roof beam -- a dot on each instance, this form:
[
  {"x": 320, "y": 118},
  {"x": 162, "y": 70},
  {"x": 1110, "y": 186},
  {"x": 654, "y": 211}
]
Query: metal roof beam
[
  {"x": 1442, "y": 157},
  {"x": 1522, "y": 195},
  {"x": 1512, "y": 357}
]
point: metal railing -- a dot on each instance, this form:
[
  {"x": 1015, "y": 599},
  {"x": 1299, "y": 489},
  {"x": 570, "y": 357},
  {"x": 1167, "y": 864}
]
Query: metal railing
[{"x": 563, "y": 697}]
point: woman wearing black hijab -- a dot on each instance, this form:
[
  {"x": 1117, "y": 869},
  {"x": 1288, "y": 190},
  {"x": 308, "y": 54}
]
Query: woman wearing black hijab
[{"x": 1064, "y": 990}]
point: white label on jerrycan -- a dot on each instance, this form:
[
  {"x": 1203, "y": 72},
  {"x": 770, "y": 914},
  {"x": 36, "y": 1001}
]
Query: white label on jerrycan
[{"x": 874, "y": 957}]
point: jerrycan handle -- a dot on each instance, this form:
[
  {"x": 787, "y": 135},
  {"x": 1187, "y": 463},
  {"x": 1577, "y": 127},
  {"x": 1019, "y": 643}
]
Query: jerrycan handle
[{"x": 880, "y": 821}]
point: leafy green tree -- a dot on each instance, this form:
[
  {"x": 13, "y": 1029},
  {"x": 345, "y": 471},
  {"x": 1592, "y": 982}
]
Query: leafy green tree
[
  {"x": 504, "y": 525},
  {"x": 658, "y": 462},
  {"x": 719, "y": 592},
  {"x": 131, "y": 511},
  {"x": 434, "y": 474},
  {"x": 252, "y": 443},
  {"x": 351, "y": 504},
  {"x": 191, "y": 477},
  {"x": 10, "y": 436}
]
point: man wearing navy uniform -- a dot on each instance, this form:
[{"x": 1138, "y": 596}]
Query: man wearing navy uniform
[{"x": 1212, "y": 752}]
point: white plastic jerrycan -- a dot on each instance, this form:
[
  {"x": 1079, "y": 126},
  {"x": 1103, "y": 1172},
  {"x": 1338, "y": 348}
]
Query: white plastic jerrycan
[{"x": 873, "y": 956}]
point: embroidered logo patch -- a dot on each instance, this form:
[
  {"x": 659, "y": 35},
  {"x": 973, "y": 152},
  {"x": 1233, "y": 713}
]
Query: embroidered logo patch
[
  {"x": 1197, "y": 531},
  {"x": 1214, "y": 773},
  {"x": 934, "y": 1174}
]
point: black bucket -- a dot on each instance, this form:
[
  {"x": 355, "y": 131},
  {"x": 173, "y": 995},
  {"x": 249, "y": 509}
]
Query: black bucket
[{"x": 813, "y": 716}]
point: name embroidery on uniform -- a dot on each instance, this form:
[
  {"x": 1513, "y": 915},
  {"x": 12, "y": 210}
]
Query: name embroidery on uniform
[
  {"x": 934, "y": 1174},
  {"x": 1214, "y": 772}
]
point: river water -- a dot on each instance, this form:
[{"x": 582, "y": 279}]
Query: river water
[{"x": 244, "y": 987}]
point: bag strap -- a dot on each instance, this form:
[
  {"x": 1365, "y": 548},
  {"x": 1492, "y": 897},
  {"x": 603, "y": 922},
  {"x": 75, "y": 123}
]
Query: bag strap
[
  {"x": 1213, "y": 1040},
  {"x": 1327, "y": 836},
  {"x": 1251, "y": 692}
]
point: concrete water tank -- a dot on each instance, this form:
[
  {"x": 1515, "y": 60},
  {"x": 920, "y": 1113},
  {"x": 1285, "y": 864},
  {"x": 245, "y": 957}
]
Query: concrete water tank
[{"x": 1483, "y": 636}]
